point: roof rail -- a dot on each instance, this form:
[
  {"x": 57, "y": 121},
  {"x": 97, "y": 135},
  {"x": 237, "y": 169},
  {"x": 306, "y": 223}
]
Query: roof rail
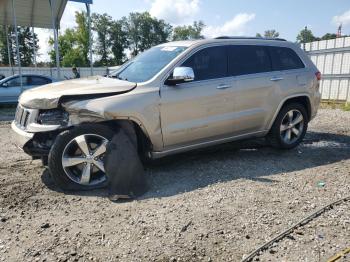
[{"x": 249, "y": 37}]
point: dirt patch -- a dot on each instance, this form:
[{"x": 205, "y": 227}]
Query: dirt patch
[{"x": 210, "y": 205}]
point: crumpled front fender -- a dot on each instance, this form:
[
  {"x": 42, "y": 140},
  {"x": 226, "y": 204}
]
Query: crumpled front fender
[{"x": 141, "y": 108}]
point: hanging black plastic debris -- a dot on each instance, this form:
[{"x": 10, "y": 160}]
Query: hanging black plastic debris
[{"x": 125, "y": 172}]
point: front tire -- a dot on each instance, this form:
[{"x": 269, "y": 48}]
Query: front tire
[
  {"x": 76, "y": 159},
  {"x": 290, "y": 127}
]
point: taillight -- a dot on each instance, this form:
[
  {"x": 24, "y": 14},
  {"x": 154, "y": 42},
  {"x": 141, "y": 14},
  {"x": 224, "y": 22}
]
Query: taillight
[{"x": 318, "y": 75}]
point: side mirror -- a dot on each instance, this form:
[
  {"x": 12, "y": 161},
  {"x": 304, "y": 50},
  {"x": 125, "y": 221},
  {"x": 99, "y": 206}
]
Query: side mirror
[
  {"x": 5, "y": 85},
  {"x": 180, "y": 75}
]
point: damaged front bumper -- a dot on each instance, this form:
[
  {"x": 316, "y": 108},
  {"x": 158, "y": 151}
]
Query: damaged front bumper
[
  {"x": 36, "y": 145},
  {"x": 21, "y": 137}
]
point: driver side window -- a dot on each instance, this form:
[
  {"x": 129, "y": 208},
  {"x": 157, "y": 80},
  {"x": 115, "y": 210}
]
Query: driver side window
[
  {"x": 208, "y": 63},
  {"x": 16, "y": 81}
]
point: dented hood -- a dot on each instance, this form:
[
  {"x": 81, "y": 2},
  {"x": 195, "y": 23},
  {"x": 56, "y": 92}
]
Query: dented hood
[{"x": 51, "y": 95}]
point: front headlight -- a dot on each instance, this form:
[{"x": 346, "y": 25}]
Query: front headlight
[{"x": 53, "y": 117}]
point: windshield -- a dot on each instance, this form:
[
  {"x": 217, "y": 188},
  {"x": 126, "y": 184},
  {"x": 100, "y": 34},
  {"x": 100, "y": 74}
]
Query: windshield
[{"x": 146, "y": 65}]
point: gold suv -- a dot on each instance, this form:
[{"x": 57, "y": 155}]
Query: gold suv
[{"x": 172, "y": 98}]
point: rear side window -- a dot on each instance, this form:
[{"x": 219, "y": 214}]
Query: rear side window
[
  {"x": 284, "y": 58},
  {"x": 208, "y": 63},
  {"x": 248, "y": 59},
  {"x": 37, "y": 80}
]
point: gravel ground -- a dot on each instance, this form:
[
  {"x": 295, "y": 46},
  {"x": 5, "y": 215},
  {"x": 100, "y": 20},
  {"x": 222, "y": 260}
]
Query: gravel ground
[{"x": 210, "y": 205}]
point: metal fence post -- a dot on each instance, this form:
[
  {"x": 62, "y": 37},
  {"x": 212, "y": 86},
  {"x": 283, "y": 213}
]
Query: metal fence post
[
  {"x": 90, "y": 37},
  {"x": 55, "y": 35},
  {"x": 8, "y": 48},
  {"x": 17, "y": 45},
  {"x": 34, "y": 48}
]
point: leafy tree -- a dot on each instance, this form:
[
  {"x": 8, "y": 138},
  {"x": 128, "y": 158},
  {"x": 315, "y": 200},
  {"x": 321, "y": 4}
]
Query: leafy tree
[
  {"x": 73, "y": 44},
  {"x": 189, "y": 32},
  {"x": 306, "y": 36},
  {"x": 66, "y": 42},
  {"x": 144, "y": 31},
  {"x": 26, "y": 42},
  {"x": 269, "y": 34},
  {"x": 3, "y": 47},
  {"x": 329, "y": 36},
  {"x": 111, "y": 39},
  {"x": 102, "y": 26},
  {"x": 119, "y": 41},
  {"x": 82, "y": 35}
]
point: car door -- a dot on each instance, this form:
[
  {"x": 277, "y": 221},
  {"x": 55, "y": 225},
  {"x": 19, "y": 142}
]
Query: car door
[
  {"x": 291, "y": 70},
  {"x": 11, "y": 89},
  {"x": 200, "y": 110},
  {"x": 255, "y": 88}
]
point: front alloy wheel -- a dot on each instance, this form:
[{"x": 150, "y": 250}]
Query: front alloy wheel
[
  {"x": 82, "y": 159},
  {"x": 76, "y": 159}
]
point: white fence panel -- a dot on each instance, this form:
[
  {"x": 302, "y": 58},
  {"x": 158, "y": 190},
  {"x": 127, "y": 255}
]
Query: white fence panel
[
  {"x": 344, "y": 83},
  {"x": 346, "y": 63},
  {"x": 52, "y": 72},
  {"x": 332, "y": 58}
]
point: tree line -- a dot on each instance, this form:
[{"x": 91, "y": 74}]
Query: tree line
[
  {"x": 26, "y": 42},
  {"x": 113, "y": 40}
]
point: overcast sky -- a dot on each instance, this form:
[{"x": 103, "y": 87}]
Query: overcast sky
[{"x": 226, "y": 17}]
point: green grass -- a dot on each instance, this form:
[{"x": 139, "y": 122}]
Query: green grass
[
  {"x": 335, "y": 105},
  {"x": 346, "y": 107}
]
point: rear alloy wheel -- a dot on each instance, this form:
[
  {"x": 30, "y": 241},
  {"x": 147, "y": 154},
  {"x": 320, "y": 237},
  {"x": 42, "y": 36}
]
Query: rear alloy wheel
[
  {"x": 76, "y": 159},
  {"x": 292, "y": 126},
  {"x": 289, "y": 127}
]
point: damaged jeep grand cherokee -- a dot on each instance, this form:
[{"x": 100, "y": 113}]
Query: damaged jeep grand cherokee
[{"x": 172, "y": 98}]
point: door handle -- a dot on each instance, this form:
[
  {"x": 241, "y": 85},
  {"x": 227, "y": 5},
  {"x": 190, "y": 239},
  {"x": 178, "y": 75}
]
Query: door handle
[
  {"x": 223, "y": 86},
  {"x": 276, "y": 78}
]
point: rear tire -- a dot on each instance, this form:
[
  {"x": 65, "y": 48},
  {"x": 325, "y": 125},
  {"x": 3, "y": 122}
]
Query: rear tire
[
  {"x": 289, "y": 128},
  {"x": 87, "y": 172}
]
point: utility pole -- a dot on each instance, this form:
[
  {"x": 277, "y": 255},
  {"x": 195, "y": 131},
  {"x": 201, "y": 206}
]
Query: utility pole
[{"x": 339, "y": 33}]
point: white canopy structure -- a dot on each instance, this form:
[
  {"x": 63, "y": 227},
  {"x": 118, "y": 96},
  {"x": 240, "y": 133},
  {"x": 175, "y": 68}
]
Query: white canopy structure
[
  {"x": 32, "y": 13},
  {"x": 38, "y": 13}
]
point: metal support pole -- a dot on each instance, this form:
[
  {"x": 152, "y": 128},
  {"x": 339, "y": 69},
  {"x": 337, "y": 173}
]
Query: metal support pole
[
  {"x": 55, "y": 35},
  {"x": 90, "y": 37},
  {"x": 17, "y": 45},
  {"x": 8, "y": 49},
  {"x": 34, "y": 48}
]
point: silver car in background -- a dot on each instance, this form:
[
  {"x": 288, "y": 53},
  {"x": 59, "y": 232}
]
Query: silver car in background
[{"x": 10, "y": 87}]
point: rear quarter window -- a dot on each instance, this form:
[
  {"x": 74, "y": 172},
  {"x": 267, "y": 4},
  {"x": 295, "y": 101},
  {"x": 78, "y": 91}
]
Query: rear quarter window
[
  {"x": 284, "y": 58},
  {"x": 37, "y": 80}
]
